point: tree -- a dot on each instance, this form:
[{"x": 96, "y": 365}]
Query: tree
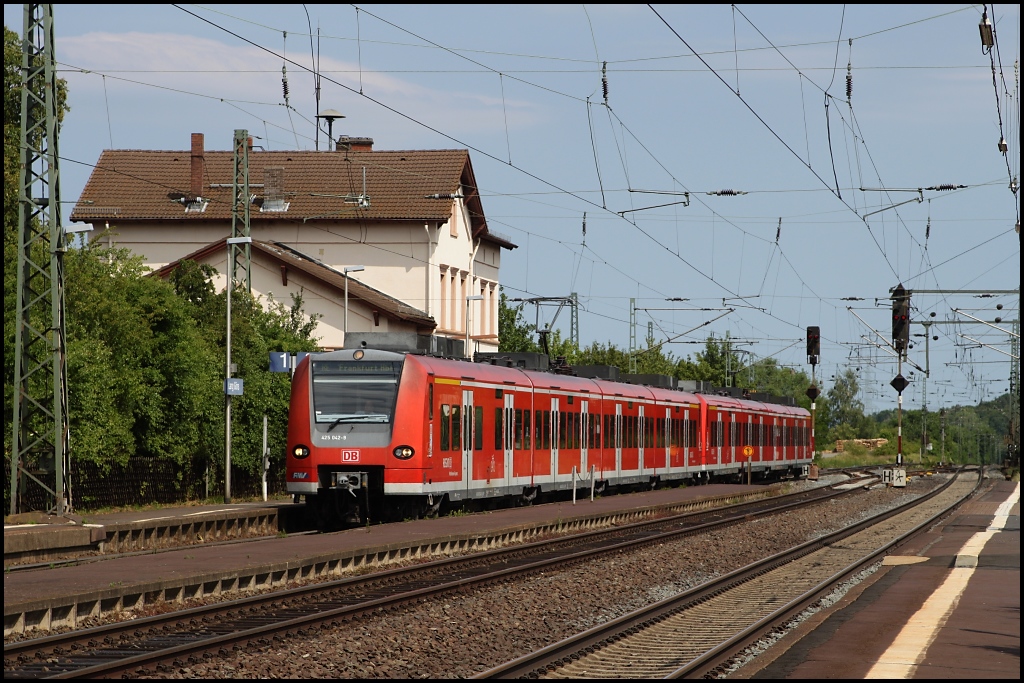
[
  {"x": 846, "y": 410},
  {"x": 514, "y": 333}
]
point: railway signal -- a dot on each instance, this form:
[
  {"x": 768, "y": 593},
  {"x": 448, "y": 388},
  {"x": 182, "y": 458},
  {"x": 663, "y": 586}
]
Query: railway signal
[
  {"x": 813, "y": 344},
  {"x": 900, "y": 319}
]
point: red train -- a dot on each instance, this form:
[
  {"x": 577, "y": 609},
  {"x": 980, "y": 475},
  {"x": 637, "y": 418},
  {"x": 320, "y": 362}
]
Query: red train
[{"x": 381, "y": 435}]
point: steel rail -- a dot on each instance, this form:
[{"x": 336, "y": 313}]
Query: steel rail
[
  {"x": 551, "y": 658},
  {"x": 399, "y": 585}
]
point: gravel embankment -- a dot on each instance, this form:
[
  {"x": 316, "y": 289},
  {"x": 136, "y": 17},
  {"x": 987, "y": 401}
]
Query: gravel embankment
[{"x": 465, "y": 634}]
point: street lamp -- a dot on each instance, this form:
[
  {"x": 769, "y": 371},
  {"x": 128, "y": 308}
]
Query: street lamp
[
  {"x": 229, "y": 387},
  {"x": 346, "y": 270},
  {"x": 472, "y": 297}
]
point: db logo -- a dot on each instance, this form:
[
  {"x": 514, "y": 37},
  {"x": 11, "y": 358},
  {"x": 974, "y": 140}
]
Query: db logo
[{"x": 350, "y": 456}]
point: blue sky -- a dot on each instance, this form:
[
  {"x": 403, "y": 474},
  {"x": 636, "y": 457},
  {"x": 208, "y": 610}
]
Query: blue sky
[{"x": 521, "y": 87}]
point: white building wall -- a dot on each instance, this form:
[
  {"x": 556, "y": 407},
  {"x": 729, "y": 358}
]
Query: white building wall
[{"x": 431, "y": 267}]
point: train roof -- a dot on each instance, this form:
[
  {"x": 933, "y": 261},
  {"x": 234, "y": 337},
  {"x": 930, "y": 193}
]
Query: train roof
[{"x": 504, "y": 374}]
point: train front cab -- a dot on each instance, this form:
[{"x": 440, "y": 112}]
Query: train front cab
[{"x": 350, "y": 430}]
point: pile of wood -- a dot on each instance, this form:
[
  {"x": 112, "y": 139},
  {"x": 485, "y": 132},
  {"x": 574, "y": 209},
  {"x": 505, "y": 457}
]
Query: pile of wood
[{"x": 870, "y": 444}]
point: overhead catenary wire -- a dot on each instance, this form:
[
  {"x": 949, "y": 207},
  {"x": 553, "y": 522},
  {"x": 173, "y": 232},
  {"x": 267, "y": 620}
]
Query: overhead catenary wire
[{"x": 741, "y": 223}]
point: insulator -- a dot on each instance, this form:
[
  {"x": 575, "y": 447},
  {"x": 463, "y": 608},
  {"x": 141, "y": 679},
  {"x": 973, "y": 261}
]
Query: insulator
[
  {"x": 728, "y": 193},
  {"x": 849, "y": 84},
  {"x": 284, "y": 88},
  {"x": 946, "y": 186},
  {"x": 604, "y": 80},
  {"x": 928, "y": 230}
]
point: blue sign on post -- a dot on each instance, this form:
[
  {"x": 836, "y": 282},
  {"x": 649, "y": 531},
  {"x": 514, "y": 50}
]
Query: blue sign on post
[
  {"x": 280, "y": 361},
  {"x": 233, "y": 386},
  {"x": 299, "y": 356}
]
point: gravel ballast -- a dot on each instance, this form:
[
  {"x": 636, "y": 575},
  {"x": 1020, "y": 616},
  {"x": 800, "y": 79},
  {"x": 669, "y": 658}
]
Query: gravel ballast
[{"x": 461, "y": 635}]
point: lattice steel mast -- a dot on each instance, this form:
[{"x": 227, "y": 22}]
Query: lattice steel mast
[{"x": 40, "y": 420}]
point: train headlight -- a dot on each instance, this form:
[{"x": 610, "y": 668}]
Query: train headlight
[
  {"x": 301, "y": 452},
  {"x": 404, "y": 452}
]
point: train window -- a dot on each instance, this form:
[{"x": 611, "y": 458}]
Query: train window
[
  {"x": 569, "y": 399},
  {"x": 478, "y": 428},
  {"x": 430, "y": 400},
  {"x": 355, "y": 391},
  {"x": 562, "y": 431},
  {"x": 518, "y": 431},
  {"x": 546, "y": 414},
  {"x": 499, "y": 422},
  {"x": 446, "y": 437},
  {"x": 608, "y": 430},
  {"x": 498, "y": 393},
  {"x": 595, "y": 420},
  {"x": 577, "y": 430},
  {"x": 539, "y": 424},
  {"x": 526, "y": 429},
  {"x": 456, "y": 428}
]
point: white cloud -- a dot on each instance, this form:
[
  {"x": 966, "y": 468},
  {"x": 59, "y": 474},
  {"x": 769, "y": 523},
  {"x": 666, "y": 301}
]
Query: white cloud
[{"x": 214, "y": 69}]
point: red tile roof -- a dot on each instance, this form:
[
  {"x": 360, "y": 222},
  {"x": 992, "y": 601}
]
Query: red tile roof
[{"x": 134, "y": 185}]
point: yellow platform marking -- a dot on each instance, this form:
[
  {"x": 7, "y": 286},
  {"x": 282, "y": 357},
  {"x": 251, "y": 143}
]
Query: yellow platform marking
[
  {"x": 908, "y": 650},
  {"x": 896, "y": 560}
]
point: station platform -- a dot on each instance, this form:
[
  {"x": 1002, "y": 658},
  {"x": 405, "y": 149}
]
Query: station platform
[
  {"x": 944, "y": 605},
  {"x": 43, "y": 597},
  {"x": 38, "y": 537}
]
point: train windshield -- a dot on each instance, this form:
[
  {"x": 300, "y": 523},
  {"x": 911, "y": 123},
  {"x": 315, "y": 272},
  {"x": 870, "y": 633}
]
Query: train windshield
[{"x": 355, "y": 391}]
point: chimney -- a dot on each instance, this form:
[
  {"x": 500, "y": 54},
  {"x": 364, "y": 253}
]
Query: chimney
[
  {"x": 248, "y": 142},
  {"x": 197, "y": 165},
  {"x": 350, "y": 144}
]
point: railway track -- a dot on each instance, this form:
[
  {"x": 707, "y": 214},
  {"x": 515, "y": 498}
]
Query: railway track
[
  {"x": 690, "y": 634},
  {"x": 180, "y": 636}
]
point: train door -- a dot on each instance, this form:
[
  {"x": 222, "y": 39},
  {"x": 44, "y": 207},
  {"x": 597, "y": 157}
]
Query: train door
[
  {"x": 583, "y": 436},
  {"x": 618, "y": 440},
  {"x": 641, "y": 435},
  {"x": 467, "y": 438},
  {"x": 748, "y": 430},
  {"x": 554, "y": 439},
  {"x": 508, "y": 432},
  {"x": 728, "y": 440},
  {"x": 716, "y": 438}
]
